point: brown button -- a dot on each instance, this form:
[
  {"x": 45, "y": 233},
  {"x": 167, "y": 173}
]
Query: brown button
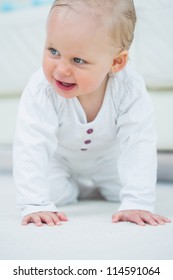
[
  {"x": 87, "y": 142},
  {"x": 84, "y": 150},
  {"x": 89, "y": 131}
]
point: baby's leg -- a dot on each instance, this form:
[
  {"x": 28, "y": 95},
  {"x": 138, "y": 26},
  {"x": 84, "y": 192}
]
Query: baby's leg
[
  {"x": 63, "y": 189},
  {"x": 106, "y": 178}
]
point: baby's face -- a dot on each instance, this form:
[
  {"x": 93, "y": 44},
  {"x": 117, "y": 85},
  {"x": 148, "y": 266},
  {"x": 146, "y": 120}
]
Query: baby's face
[{"x": 77, "y": 56}]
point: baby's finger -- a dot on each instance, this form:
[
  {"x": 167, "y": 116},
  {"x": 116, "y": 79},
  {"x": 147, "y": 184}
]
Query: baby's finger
[
  {"x": 36, "y": 220},
  {"x": 148, "y": 218},
  {"x": 55, "y": 218},
  {"x": 117, "y": 217},
  {"x": 166, "y": 220},
  {"x": 26, "y": 220},
  {"x": 161, "y": 220},
  {"x": 62, "y": 216},
  {"x": 47, "y": 218},
  {"x": 137, "y": 220},
  {"x": 32, "y": 219}
]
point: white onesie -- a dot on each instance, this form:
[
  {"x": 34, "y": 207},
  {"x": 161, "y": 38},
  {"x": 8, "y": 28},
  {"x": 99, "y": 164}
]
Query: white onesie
[{"x": 56, "y": 153}]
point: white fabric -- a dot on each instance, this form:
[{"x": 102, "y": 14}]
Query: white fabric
[{"x": 49, "y": 146}]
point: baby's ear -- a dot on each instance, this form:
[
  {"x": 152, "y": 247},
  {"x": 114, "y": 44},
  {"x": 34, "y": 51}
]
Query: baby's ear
[{"x": 120, "y": 61}]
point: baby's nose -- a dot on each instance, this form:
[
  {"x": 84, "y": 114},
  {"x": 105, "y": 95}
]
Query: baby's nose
[{"x": 63, "y": 68}]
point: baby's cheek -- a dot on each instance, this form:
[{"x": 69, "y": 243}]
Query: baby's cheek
[
  {"x": 47, "y": 73},
  {"x": 92, "y": 83}
]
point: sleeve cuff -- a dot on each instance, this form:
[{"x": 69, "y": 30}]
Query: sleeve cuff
[
  {"x": 135, "y": 206},
  {"x": 29, "y": 209}
]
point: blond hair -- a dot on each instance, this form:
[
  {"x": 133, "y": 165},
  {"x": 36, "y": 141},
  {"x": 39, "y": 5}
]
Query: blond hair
[{"x": 121, "y": 15}]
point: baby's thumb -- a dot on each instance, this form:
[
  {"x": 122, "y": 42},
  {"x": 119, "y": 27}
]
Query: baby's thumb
[{"x": 117, "y": 217}]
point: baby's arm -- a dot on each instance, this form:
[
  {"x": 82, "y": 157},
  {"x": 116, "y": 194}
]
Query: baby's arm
[
  {"x": 49, "y": 218},
  {"x": 137, "y": 163},
  {"x": 139, "y": 217},
  {"x": 35, "y": 143}
]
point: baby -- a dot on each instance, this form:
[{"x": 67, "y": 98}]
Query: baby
[{"x": 85, "y": 122}]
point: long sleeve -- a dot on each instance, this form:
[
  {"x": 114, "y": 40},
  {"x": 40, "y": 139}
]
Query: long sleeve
[
  {"x": 35, "y": 142},
  {"x": 136, "y": 135}
]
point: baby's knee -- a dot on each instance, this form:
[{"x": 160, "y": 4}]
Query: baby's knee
[{"x": 66, "y": 193}]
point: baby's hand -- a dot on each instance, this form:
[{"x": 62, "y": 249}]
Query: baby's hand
[
  {"x": 49, "y": 218},
  {"x": 139, "y": 217}
]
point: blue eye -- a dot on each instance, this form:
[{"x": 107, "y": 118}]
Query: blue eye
[
  {"x": 54, "y": 52},
  {"x": 79, "y": 60}
]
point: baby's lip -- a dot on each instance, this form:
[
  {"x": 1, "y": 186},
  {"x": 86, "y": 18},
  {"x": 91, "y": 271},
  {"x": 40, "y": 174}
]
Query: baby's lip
[
  {"x": 65, "y": 85},
  {"x": 65, "y": 82}
]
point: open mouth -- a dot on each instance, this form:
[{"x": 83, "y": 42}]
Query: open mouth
[{"x": 65, "y": 86}]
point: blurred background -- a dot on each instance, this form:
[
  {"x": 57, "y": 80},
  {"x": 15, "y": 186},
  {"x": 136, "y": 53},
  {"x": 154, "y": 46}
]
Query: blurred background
[{"x": 22, "y": 31}]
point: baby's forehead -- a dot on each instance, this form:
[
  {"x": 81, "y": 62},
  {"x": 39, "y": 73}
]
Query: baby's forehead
[
  {"x": 76, "y": 18},
  {"x": 95, "y": 8},
  {"x": 81, "y": 11},
  {"x": 93, "y": 4}
]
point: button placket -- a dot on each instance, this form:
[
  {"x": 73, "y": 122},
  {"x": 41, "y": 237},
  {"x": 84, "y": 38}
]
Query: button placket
[{"x": 87, "y": 141}]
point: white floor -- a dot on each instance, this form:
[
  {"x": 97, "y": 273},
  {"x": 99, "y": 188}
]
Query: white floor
[{"x": 89, "y": 234}]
